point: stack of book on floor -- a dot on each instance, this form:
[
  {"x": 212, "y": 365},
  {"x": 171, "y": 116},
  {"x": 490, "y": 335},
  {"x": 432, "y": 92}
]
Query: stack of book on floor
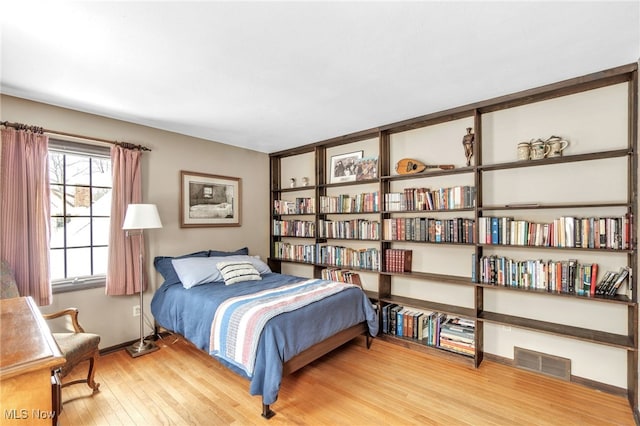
[
  {"x": 458, "y": 335},
  {"x": 429, "y": 328}
]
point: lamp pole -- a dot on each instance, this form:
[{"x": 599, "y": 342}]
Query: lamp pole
[{"x": 138, "y": 218}]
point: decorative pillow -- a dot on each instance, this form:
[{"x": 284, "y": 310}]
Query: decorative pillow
[
  {"x": 257, "y": 263},
  {"x": 243, "y": 250},
  {"x": 235, "y": 272},
  {"x": 164, "y": 266},
  {"x": 194, "y": 271}
]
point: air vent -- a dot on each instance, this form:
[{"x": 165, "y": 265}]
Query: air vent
[{"x": 546, "y": 364}]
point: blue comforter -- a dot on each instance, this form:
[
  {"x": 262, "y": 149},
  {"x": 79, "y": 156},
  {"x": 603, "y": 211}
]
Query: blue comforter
[{"x": 190, "y": 313}]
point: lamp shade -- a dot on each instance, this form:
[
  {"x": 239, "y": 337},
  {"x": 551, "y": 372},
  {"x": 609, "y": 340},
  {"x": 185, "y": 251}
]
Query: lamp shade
[{"x": 141, "y": 216}]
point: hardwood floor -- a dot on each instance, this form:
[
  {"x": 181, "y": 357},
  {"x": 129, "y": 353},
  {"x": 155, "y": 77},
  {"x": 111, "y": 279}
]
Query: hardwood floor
[{"x": 386, "y": 385}]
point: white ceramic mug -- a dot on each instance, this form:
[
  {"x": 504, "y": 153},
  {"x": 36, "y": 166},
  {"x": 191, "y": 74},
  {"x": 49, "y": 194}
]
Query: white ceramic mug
[
  {"x": 524, "y": 151},
  {"x": 556, "y": 146},
  {"x": 539, "y": 149}
]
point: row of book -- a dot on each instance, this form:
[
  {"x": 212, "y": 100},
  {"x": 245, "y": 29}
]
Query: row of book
[
  {"x": 296, "y": 252},
  {"x": 301, "y": 205},
  {"x": 398, "y": 260},
  {"x": 345, "y": 203},
  {"x": 567, "y": 231},
  {"x": 367, "y": 258},
  {"x": 294, "y": 228},
  {"x": 359, "y": 229},
  {"x": 435, "y": 329},
  {"x": 565, "y": 276},
  {"x": 341, "y": 275},
  {"x": 413, "y": 199},
  {"x": 456, "y": 230}
]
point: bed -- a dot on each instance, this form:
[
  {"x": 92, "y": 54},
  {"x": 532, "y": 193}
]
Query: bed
[{"x": 207, "y": 297}]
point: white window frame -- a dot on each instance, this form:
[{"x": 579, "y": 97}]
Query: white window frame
[{"x": 93, "y": 151}]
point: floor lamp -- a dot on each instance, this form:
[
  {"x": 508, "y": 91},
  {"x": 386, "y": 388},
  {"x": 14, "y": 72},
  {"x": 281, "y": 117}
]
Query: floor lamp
[{"x": 138, "y": 218}]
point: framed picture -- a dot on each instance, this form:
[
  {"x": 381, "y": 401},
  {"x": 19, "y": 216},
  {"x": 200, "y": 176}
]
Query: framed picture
[
  {"x": 343, "y": 167},
  {"x": 367, "y": 168},
  {"x": 209, "y": 200}
]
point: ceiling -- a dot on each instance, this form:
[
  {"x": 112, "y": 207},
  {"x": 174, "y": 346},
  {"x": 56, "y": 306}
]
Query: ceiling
[{"x": 273, "y": 75}]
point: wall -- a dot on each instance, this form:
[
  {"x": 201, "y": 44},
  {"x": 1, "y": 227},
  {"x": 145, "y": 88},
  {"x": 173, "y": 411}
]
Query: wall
[{"x": 109, "y": 316}]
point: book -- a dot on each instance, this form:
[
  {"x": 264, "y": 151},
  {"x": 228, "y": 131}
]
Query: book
[
  {"x": 607, "y": 280},
  {"x": 594, "y": 277},
  {"x": 620, "y": 278},
  {"x": 385, "y": 318},
  {"x": 571, "y": 275},
  {"x": 400, "y": 322},
  {"x": 393, "y": 319},
  {"x": 398, "y": 260}
]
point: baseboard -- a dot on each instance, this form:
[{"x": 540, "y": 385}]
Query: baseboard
[
  {"x": 123, "y": 345},
  {"x": 614, "y": 390},
  {"x": 116, "y": 348}
]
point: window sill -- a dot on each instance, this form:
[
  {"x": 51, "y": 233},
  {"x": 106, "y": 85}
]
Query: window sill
[{"x": 69, "y": 287}]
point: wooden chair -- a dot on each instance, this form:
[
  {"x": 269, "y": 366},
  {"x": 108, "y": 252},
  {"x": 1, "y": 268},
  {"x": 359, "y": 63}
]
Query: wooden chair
[{"x": 76, "y": 346}]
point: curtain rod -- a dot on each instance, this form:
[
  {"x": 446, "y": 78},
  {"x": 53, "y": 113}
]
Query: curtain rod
[{"x": 36, "y": 129}]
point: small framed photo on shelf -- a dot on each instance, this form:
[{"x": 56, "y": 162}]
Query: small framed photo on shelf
[
  {"x": 367, "y": 168},
  {"x": 343, "y": 167},
  {"x": 209, "y": 200}
]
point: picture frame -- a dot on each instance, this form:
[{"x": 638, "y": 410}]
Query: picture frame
[
  {"x": 209, "y": 200},
  {"x": 343, "y": 167},
  {"x": 367, "y": 168}
]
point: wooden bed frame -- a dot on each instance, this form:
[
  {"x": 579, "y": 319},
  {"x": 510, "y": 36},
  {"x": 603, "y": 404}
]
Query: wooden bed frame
[{"x": 309, "y": 355}]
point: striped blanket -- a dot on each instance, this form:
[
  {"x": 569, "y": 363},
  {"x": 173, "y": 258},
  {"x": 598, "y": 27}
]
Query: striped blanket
[{"x": 239, "y": 321}]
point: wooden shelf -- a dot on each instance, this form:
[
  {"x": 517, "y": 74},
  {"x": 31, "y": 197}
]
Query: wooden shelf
[
  {"x": 428, "y": 174},
  {"x": 425, "y": 276},
  {"x": 295, "y": 189},
  {"x": 352, "y": 183},
  {"x": 275, "y": 215},
  {"x": 294, "y": 236},
  {"x": 347, "y": 213},
  {"x": 468, "y": 209},
  {"x": 529, "y": 206},
  {"x": 489, "y": 187},
  {"x": 430, "y": 306},
  {"x": 514, "y": 246},
  {"x": 619, "y": 299},
  {"x": 373, "y": 295},
  {"x": 557, "y": 160},
  {"x": 562, "y": 330},
  {"x": 349, "y": 239},
  {"x": 442, "y": 243}
]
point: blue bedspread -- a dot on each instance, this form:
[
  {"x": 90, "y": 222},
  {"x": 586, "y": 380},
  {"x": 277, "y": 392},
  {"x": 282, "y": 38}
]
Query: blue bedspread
[{"x": 190, "y": 313}]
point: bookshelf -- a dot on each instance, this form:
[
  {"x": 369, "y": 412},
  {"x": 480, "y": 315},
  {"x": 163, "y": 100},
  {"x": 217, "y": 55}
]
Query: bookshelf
[{"x": 594, "y": 179}]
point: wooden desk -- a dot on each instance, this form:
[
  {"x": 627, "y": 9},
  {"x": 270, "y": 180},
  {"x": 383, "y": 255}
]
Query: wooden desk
[{"x": 28, "y": 355}]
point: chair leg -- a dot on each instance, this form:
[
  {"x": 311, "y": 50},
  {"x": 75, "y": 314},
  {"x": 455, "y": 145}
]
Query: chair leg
[
  {"x": 89, "y": 380},
  {"x": 92, "y": 384}
]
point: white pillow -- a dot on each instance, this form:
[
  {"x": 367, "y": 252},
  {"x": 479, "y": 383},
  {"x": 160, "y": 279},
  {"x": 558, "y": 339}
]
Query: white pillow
[
  {"x": 257, "y": 263},
  {"x": 235, "y": 272},
  {"x": 194, "y": 271}
]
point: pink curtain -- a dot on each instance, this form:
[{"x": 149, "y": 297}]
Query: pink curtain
[
  {"x": 123, "y": 270},
  {"x": 24, "y": 202}
]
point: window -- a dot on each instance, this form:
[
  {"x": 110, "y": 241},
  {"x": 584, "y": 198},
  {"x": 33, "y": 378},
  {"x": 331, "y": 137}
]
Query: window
[{"x": 80, "y": 192}]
